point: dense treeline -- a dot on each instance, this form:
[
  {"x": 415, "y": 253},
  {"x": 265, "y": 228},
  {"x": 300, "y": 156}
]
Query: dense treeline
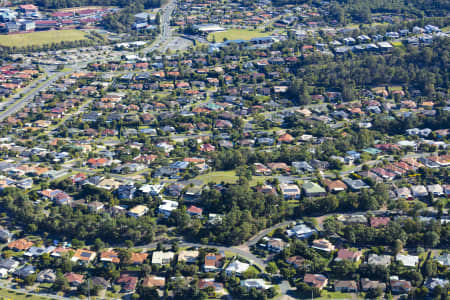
[
  {"x": 425, "y": 69},
  {"x": 55, "y": 4},
  {"x": 67, "y": 223},
  {"x": 346, "y": 11},
  {"x": 5, "y": 51}
]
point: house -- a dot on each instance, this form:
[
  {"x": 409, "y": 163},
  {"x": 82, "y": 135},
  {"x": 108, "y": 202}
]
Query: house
[
  {"x": 5, "y": 236},
  {"x": 28, "y": 9},
  {"x": 24, "y": 271},
  {"x": 400, "y": 286},
  {"x": 188, "y": 256},
  {"x": 154, "y": 281},
  {"x": 408, "y": 260},
  {"x": 296, "y": 261},
  {"x": 347, "y": 254},
  {"x": 318, "y": 281},
  {"x": 37, "y": 251},
  {"x": 443, "y": 259},
  {"x": 279, "y": 167},
  {"x": 404, "y": 193},
  {"x": 261, "y": 169},
  {"x": 74, "y": 279},
  {"x": 20, "y": 245},
  {"x": 213, "y": 262},
  {"x": 162, "y": 258},
  {"x": 436, "y": 190},
  {"x": 258, "y": 284},
  {"x": 379, "y": 260},
  {"x": 96, "y": 206},
  {"x": 138, "y": 211},
  {"x": 83, "y": 256},
  {"x": 312, "y": 189},
  {"x": 301, "y": 231},
  {"x": 126, "y": 191},
  {"x": 323, "y": 245},
  {"x": 345, "y": 286},
  {"x": 285, "y": 138},
  {"x": 138, "y": 258},
  {"x": 356, "y": 184},
  {"x": 101, "y": 282},
  {"x": 194, "y": 211},
  {"x": 127, "y": 282},
  {"x": 367, "y": 285},
  {"x": 9, "y": 265},
  {"x": 302, "y": 166},
  {"x": 110, "y": 256},
  {"x": 379, "y": 221},
  {"x": 210, "y": 282},
  {"x": 419, "y": 191},
  {"x": 236, "y": 267},
  {"x": 290, "y": 191},
  {"x": 167, "y": 207},
  {"x": 276, "y": 245},
  {"x": 335, "y": 186},
  {"x": 154, "y": 189},
  {"x": 432, "y": 283}
]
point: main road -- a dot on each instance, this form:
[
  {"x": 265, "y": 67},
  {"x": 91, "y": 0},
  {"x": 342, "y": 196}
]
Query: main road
[{"x": 14, "y": 105}]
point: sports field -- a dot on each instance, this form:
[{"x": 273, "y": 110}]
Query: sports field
[
  {"x": 237, "y": 34},
  {"x": 41, "y": 38}
]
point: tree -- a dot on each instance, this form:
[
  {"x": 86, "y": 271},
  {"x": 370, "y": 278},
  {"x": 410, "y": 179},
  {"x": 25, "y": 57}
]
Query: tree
[
  {"x": 374, "y": 293},
  {"x": 99, "y": 244},
  {"x": 30, "y": 279},
  {"x": 271, "y": 268},
  {"x": 431, "y": 239},
  {"x": 398, "y": 246}
]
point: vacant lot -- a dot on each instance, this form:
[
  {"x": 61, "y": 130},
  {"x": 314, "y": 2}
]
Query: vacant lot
[
  {"x": 237, "y": 34},
  {"x": 227, "y": 177},
  {"x": 41, "y": 38}
]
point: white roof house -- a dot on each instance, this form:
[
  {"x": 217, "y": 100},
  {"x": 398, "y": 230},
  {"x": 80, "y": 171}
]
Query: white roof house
[
  {"x": 162, "y": 258},
  {"x": 236, "y": 267},
  {"x": 435, "y": 190},
  {"x": 380, "y": 260},
  {"x": 403, "y": 192},
  {"x": 255, "y": 283},
  {"x": 290, "y": 190},
  {"x": 419, "y": 191},
  {"x": 167, "y": 207},
  {"x": 443, "y": 259},
  {"x": 138, "y": 211},
  {"x": 408, "y": 260},
  {"x": 152, "y": 189},
  {"x": 209, "y": 28},
  {"x": 301, "y": 231}
]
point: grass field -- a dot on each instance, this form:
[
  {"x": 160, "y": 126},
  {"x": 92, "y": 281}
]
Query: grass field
[
  {"x": 8, "y": 294},
  {"x": 237, "y": 34},
  {"x": 227, "y": 177},
  {"x": 41, "y": 38}
]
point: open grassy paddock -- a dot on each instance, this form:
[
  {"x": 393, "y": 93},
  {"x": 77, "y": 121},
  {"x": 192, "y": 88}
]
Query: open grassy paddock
[
  {"x": 227, "y": 177},
  {"x": 40, "y": 38},
  {"x": 237, "y": 34},
  {"x": 17, "y": 295}
]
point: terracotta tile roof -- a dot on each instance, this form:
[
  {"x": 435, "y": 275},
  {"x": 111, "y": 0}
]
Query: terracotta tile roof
[{"x": 20, "y": 245}]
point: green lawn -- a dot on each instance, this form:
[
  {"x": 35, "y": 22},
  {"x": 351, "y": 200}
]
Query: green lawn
[
  {"x": 218, "y": 177},
  {"x": 237, "y": 34},
  {"x": 335, "y": 295},
  {"x": 41, "y": 38},
  {"x": 9, "y": 294},
  {"x": 228, "y": 177}
]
